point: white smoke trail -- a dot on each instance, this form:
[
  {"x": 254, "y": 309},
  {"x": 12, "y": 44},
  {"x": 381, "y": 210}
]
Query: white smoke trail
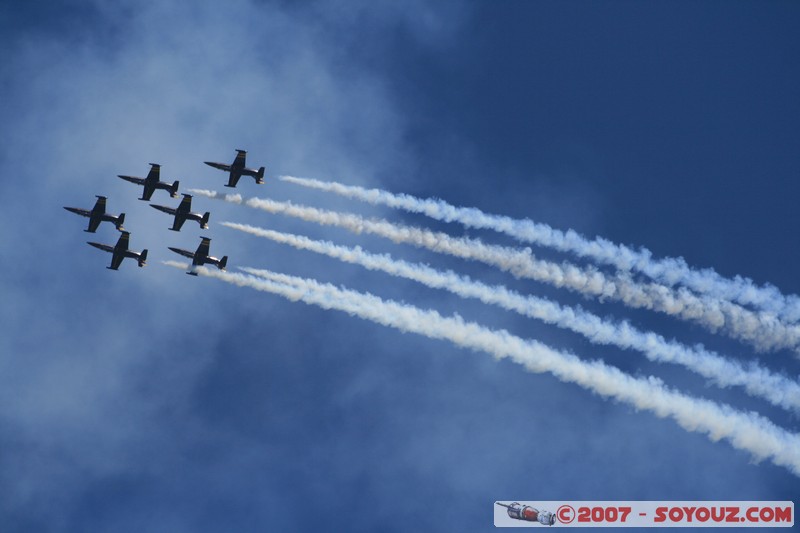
[
  {"x": 668, "y": 271},
  {"x": 757, "y": 380},
  {"x": 745, "y": 431},
  {"x": 763, "y": 332}
]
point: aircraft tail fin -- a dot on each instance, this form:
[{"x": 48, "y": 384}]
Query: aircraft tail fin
[
  {"x": 260, "y": 175},
  {"x": 204, "y": 221},
  {"x": 173, "y": 191},
  {"x": 223, "y": 262},
  {"x": 120, "y": 221},
  {"x": 143, "y": 258}
]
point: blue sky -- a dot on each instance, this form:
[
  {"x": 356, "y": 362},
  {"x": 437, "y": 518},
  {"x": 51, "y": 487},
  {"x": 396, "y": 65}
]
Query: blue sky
[{"x": 145, "y": 399}]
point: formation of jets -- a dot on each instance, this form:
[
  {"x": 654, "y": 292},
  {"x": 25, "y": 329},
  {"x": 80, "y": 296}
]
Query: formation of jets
[{"x": 180, "y": 214}]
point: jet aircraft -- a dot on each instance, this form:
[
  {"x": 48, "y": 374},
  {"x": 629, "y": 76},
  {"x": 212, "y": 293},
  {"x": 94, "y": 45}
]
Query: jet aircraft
[
  {"x": 120, "y": 251},
  {"x": 237, "y": 169},
  {"x": 151, "y": 183},
  {"x": 97, "y": 215},
  {"x": 183, "y": 213},
  {"x": 201, "y": 257}
]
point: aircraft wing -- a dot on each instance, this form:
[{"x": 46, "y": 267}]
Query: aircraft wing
[
  {"x": 123, "y": 240},
  {"x": 186, "y": 203},
  {"x": 148, "y": 191},
  {"x": 241, "y": 156},
  {"x": 100, "y": 204},
  {"x": 155, "y": 172},
  {"x": 177, "y": 224},
  {"x": 93, "y": 223},
  {"x": 116, "y": 260},
  {"x": 203, "y": 249},
  {"x": 233, "y": 179}
]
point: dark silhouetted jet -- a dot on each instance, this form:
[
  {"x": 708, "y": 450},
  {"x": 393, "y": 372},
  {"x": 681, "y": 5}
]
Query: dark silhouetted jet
[
  {"x": 98, "y": 214},
  {"x": 201, "y": 257},
  {"x": 237, "y": 169},
  {"x": 184, "y": 213},
  {"x": 120, "y": 251},
  {"x": 151, "y": 183}
]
